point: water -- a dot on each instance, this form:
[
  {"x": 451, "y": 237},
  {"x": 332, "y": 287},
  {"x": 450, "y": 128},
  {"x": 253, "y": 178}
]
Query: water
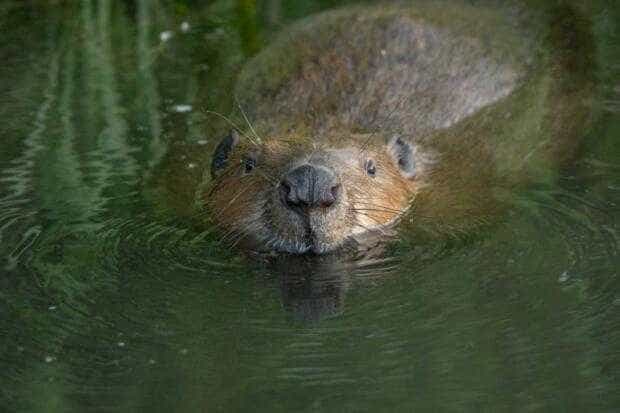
[{"x": 113, "y": 299}]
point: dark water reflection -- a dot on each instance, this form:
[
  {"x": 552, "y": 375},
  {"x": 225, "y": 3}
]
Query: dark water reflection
[{"x": 112, "y": 299}]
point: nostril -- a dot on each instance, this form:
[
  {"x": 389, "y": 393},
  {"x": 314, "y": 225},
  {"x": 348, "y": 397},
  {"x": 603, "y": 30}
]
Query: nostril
[
  {"x": 326, "y": 203},
  {"x": 331, "y": 197},
  {"x": 288, "y": 195},
  {"x": 335, "y": 191},
  {"x": 285, "y": 188}
]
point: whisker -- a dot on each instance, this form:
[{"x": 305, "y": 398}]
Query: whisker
[
  {"x": 247, "y": 121},
  {"x": 375, "y": 219},
  {"x": 378, "y": 128},
  {"x": 368, "y": 211},
  {"x": 269, "y": 178},
  {"x": 379, "y": 208},
  {"x": 234, "y": 235},
  {"x": 231, "y": 123},
  {"x": 368, "y": 229}
]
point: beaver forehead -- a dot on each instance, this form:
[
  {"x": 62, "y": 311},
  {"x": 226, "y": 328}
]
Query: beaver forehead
[
  {"x": 346, "y": 157},
  {"x": 345, "y": 152},
  {"x": 334, "y": 139}
]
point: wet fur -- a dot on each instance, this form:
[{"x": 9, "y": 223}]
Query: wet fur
[
  {"x": 254, "y": 214},
  {"x": 489, "y": 99}
]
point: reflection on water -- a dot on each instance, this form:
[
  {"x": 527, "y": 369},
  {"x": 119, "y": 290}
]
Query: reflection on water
[{"x": 113, "y": 299}]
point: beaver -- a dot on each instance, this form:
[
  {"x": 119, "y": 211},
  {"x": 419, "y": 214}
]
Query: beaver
[{"x": 358, "y": 118}]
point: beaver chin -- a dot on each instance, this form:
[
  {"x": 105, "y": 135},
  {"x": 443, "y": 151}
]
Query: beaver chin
[
  {"x": 319, "y": 238},
  {"x": 313, "y": 243}
]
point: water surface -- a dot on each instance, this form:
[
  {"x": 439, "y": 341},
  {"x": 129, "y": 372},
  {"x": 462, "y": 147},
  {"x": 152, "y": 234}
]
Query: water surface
[{"x": 112, "y": 299}]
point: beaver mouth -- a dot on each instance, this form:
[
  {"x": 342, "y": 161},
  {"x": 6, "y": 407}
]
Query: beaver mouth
[
  {"x": 299, "y": 234},
  {"x": 315, "y": 245},
  {"x": 311, "y": 242}
]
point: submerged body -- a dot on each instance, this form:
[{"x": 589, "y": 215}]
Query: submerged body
[{"x": 362, "y": 116}]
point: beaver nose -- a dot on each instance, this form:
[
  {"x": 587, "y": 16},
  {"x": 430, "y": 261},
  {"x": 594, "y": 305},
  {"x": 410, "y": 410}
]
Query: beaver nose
[{"x": 309, "y": 187}]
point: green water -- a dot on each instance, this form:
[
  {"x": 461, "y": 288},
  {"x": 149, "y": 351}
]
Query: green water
[{"x": 113, "y": 299}]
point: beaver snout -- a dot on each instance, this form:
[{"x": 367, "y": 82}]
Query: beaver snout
[{"x": 308, "y": 186}]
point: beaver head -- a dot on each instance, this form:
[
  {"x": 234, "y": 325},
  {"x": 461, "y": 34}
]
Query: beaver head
[{"x": 298, "y": 194}]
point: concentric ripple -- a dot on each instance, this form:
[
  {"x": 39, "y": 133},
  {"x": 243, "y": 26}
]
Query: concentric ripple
[{"x": 114, "y": 298}]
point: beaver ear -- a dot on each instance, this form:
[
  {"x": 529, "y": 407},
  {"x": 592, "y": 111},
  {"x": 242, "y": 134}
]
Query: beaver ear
[
  {"x": 403, "y": 155},
  {"x": 222, "y": 152}
]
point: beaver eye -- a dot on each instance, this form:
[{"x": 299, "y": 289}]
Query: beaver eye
[
  {"x": 371, "y": 168},
  {"x": 249, "y": 164}
]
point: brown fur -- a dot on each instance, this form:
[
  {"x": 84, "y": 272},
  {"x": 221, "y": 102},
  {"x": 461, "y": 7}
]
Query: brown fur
[
  {"x": 488, "y": 98},
  {"x": 248, "y": 207}
]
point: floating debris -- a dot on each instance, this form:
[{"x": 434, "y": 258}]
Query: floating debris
[
  {"x": 51, "y": 307},
  {"x": 121, "y": 344},
  {"x": 191, "y": 165},
  {"x": 182, "y": 108},
  {"x": 185, "y": 27},
  {"x": 563, "y": 277},
  {"x": 202, "y": 142},
  {"x": 166, "y": 35},
  {"x": 49, "y": 359}
]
